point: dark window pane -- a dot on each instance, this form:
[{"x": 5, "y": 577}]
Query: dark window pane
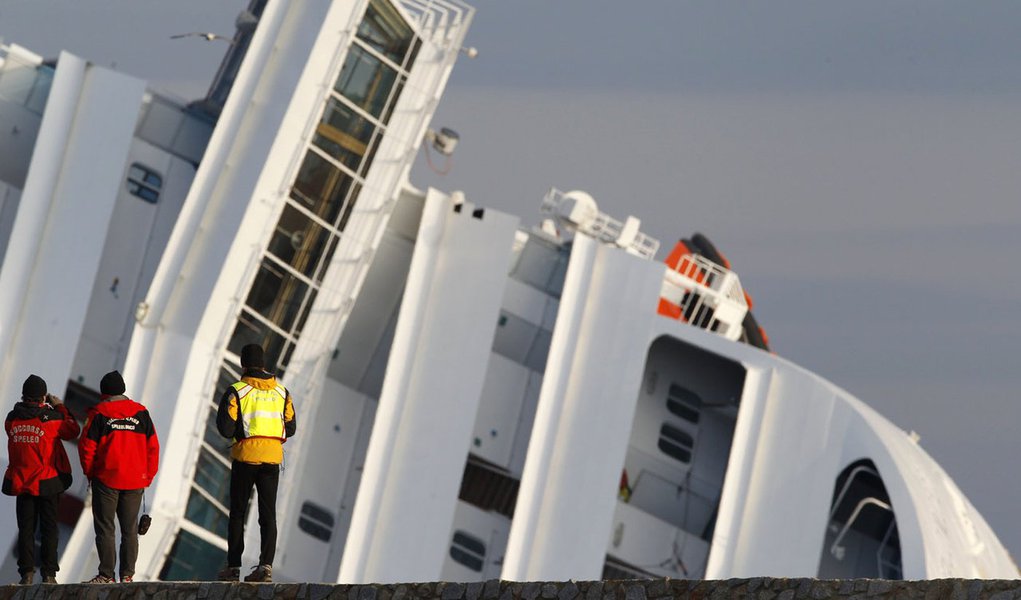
[
  {"x": 684, "y": 403},
  {"x": 250, "y": 330},
  {"x": 365, "y": 80},
  {"x": 321, "y": 187},
  {"x": 277, "y": 294},
  {"x": 468, "y": 550},
  {"x": 298, "y": 240},
  {"x": 385, "y": 30},
  {"x": 213, "y": 476},
  {"x": 343, "y": 133},
  {"x": 676, "y": 443},
  {"x": 393, "y": 101},
  {"x": 205, "y": 514},
  {"x": 192, "y": 559},
  {"x": 212, "y": 437},
  {"x": 316, "y": 521}
]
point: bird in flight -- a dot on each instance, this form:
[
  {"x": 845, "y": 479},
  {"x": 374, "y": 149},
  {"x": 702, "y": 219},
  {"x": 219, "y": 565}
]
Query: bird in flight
[{"x": 208, "y": 36}]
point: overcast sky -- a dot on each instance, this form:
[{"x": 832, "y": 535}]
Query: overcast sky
[{"x": 858, "y": 162}]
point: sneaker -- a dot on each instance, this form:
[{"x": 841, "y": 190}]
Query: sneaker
[
  {"x": 100, "y": 579},
  {"x": 229, "y": 574},
  {"x": 49, "y": 579},
  {"x": 261, "y": 574},
  {"x": 26, "y": 578},
  {"x": 126, "y": 579}
]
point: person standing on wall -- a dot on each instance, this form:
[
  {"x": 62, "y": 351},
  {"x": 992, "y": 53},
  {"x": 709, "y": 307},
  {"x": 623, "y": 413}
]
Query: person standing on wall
[
  {"x": 258, "y": 414},
  {"x": 37, "y": 473},
  {"x": 119, "y": 452}
]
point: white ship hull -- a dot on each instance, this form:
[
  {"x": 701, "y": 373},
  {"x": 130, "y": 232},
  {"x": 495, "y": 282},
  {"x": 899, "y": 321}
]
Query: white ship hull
[{"x": 475, "y": 400}]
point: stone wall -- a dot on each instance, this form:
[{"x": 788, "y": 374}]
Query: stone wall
[{"x": 764, "y": 588}]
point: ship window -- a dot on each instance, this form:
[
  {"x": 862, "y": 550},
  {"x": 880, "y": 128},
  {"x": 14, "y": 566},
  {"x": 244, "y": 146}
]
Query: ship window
[
  {"x": 298, "y": 240},
  {"x": 385, "y": 30},
  {"x": 676, "y": 443},
  {"x": 250, "y": 330},
  {"x": 277, "y": 294},
  {"x": 205, "y": 514},
  {"x": 365, "y": 80},
  {"x": 316, "y": 521},
  {"x": 216, "y": 442},
  {"x": 468, "y": 550},
  {"x": 684, "y": 403},
  {"x": 861, "y": 539},
  {"x": 192, "y": 559},
  {"x": 212, "y": 475},
  {"x": 144, "y": 183},
  {"x": 321, "y": 187},
  {"x": 343, "y": 133}
]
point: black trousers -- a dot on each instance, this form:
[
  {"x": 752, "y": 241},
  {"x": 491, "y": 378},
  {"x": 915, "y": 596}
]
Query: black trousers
[
  {"x": 108, "y": 503},
  {"x": 33, "y": 511},
  {"x": 265, "y": 478}
]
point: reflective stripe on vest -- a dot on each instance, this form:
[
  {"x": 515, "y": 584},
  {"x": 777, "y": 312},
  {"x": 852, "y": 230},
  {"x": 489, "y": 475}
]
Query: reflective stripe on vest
[{"x": 261, "y": 411}]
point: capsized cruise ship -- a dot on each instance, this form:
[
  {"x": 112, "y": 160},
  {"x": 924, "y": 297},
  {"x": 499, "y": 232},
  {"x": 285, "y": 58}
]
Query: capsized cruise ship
[{"x": 476, "y": 399}]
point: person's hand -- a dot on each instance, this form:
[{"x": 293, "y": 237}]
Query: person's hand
[{"x": 53, "y": 400}]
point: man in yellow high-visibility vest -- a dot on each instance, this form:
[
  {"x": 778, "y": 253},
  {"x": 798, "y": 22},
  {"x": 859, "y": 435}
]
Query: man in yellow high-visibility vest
[{"x": 257, "y": 413}]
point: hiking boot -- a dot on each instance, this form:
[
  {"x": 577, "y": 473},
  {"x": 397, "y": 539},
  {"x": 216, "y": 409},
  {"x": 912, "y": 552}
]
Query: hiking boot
[
  {"x": 49, "y": 579},
  {"x": 229, "y": 574},
  {"x": 100, "y": 579},
  {"x": 126, "y": 579},
  {"x": 26, "y": 578},
  {"x": 260, "y": 574}
]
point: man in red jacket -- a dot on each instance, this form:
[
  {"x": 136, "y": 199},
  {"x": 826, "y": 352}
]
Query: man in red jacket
[
  {"x": 37, "y": 473},
  {"x": 120, "y": 454}
]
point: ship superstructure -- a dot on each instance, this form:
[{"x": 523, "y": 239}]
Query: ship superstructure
[{"x": 476, "y": 399}]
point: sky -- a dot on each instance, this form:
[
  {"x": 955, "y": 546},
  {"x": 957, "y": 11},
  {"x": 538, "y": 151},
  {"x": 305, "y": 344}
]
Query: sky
[{"x": 858, "y": 162}]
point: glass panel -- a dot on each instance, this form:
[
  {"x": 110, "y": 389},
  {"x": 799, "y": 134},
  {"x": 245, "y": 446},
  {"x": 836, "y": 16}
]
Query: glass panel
[
  {"x": 393, "y": 101},
  {"x": 675, "y": 443},
  {"x": 212, "y": 437},
  {"x": 298, "y": 240},
  {"x": 192, "y": 559},
  {"x": 343, "y": 133},
  {"x": 205, "y": 514},
  {"x": 385, "y": 30},
  {"x": 250, "y": 330},
  {"x": 346, "y": 215},
  {"x": 300, "y": 324},
  {"x": 321, "y": 187},
  {"x": 365, "y": 80},
  {"x": 468, "y": 550},
  {"x": 213, "y": 476},
  {"x": 276, "y": 294},
  {"x": 684, "y": 403}
]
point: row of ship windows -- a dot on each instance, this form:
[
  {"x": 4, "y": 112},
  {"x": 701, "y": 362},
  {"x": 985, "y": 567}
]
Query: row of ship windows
[{"x": 322, "y": 197}]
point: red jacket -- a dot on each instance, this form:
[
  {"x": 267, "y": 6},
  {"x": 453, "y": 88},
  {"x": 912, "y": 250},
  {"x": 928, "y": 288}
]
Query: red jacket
[
  {"x": 119, "y": 445},
  {"x": 38, "y": 464}
]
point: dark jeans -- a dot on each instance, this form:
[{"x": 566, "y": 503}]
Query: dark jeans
[
  {"x": 33, "y": 511},
  {"x": 265, "y": 478},
  {"x": 124, "y": 504}
]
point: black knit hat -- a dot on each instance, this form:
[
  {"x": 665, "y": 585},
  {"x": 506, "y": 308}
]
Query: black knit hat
[
  {"x": 252, "y": 356},
  {"x": 112, "y": 384},
  {"x": 34, "y": 387}
]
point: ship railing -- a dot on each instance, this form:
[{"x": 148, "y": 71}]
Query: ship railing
[
  {"x": 705, "y": 295},
  {"x": 605, "y": 228},
  {"x": 438, "y": 16}
]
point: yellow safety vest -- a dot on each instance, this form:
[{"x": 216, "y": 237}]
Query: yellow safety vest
[{"x": 261, "y": 412}]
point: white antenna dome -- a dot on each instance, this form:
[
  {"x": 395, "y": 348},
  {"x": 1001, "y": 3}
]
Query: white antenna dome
[{"x": 579, "y": 208}]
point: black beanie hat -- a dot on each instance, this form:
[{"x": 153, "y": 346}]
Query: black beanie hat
[
  {"x": 34, "y": 387},
  {"x": 251, "y": 356},
  {"x": 112, "y": 384}
]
